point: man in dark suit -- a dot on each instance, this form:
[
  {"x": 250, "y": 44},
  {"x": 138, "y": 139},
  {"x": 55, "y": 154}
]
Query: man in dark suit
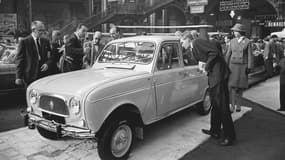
[
  {"x": 218, "y": 74},
  {"x": 74, "y": 49},
  {"x": 32, "y": 58}
]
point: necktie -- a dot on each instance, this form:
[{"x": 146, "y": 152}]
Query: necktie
[{"x": 39, "y": 48}]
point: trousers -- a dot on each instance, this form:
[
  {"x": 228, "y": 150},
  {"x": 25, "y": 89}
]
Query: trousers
[{"x": 221, "y": 119}]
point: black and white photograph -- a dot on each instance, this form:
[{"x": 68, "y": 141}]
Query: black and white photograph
[{"x": 142, "y": 79}]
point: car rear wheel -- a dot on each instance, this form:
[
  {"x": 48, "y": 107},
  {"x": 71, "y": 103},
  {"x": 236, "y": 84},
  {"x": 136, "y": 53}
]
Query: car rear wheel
[
  {"x": 205, "y": 106},
  {"x": 47, "y": 134},
  {"x": 116, "y": 141}
]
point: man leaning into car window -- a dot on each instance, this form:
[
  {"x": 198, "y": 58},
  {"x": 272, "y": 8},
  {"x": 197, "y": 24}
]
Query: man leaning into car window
[{"x": 32, "y": 61}]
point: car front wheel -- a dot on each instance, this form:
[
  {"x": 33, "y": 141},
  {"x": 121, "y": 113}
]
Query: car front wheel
[{"x": 116, "y": 141}]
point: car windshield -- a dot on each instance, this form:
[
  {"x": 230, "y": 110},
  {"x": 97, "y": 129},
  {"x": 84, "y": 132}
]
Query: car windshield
[{"x": 128, "y": 52}]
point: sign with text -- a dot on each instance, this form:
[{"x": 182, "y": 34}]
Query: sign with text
[
  {"x": 197, "y": 9},
  {"x": 197, "y": 2},
  {"x": 229, "y": 5}
]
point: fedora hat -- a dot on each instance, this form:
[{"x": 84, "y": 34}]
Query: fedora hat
[{"x": 238, "y": 27}]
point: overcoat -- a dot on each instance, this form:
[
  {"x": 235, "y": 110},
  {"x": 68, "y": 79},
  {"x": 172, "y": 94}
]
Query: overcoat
[{"x": 238, "y": 57}]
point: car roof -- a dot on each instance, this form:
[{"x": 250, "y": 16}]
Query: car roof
[{"x": 151, "y": 38}]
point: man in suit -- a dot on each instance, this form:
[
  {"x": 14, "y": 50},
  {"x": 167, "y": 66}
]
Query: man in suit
[
  {"x": 74, "y": 49},
  {"x": 93, "y": 50},
  {"x": 270, "y": 52},
  {"x": 218, "y": 74},
  {"x": 32, "y": 60}
]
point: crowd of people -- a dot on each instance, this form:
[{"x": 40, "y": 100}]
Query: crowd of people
[
  {"x": 227, "y": 64},
  {"x": 38, "y": 56}
]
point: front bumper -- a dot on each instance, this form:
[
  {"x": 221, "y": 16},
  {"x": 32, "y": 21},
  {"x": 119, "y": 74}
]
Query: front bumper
[{"x": 61, "y": 130}]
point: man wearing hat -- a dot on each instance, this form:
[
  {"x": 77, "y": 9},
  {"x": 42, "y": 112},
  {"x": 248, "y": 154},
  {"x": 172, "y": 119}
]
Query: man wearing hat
[
  {"x": 238, "y": 57},
  {"x": 93, "y": 51}
]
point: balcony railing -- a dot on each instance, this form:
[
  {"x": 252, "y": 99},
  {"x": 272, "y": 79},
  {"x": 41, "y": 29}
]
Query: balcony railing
[{"x": 118, "y": 9}]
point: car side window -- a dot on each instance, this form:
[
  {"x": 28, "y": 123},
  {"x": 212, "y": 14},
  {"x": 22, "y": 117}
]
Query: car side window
[
  {"x": 168, "y": 57},
  {"x": 188, "y": 58}
]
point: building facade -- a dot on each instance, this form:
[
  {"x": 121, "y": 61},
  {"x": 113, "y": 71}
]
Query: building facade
[{"x": 260, "y": 16}]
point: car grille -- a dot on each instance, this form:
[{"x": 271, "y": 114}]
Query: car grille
[
  {"x": 55, "y": 118},
  {"x": 53, "y": 104}
]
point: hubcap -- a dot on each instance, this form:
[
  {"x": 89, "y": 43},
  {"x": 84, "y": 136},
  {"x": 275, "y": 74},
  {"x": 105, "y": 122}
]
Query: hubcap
[
  {"x": 207, "y": 102},
  {"x": 121, "y": 140}
]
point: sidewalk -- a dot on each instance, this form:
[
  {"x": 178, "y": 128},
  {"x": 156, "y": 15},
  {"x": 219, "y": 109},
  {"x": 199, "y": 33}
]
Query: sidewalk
[
  {"x": 265, "y": 93},
  {"x": 168, "y": 139}
]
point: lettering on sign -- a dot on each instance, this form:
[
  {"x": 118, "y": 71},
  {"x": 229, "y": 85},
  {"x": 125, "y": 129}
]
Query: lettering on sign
[
  {"x": 197, "y": 2},
  {"x": 229, "y": 5}
]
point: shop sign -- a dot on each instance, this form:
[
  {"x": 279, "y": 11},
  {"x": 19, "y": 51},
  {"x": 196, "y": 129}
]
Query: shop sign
[
  {"x": 8, "y": 24},
  {"x": 275, "y": 24},
  {"x": 197, "y": 9},
  {"x": 224, "y": 23},
  {"x": 197, "y": 2},
  {"x": 229, "y": 5}
]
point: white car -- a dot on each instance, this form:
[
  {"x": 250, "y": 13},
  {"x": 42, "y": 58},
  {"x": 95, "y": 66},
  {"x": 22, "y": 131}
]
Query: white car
[{"x": 134, "y": 82}]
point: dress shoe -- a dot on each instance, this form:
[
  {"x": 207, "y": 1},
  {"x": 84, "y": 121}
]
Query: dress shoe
[
  {"x": 208, "y": 132},
  {"x": 227, "y": 142},
  {"x": 280, "y": 109}
]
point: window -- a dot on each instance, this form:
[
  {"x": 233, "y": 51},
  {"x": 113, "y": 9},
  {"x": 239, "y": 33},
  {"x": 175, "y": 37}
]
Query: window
[
  {"x": 188, "y": 58},
  {"x": 128, "y": 52},
  {"x": 168, "y": 56}
]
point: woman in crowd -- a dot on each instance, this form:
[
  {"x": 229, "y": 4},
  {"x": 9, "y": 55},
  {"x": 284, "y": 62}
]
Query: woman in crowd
[{"x": 237, "y": 57}]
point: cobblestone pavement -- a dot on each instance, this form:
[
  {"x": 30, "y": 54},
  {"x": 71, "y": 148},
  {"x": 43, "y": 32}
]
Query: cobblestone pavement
[{"x": 169, "y": 139}]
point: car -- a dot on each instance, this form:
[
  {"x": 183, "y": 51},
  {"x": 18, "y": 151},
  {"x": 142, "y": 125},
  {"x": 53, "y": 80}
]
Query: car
[
  {"x": 134, "y": 82},
  {"x": 8, "y": 70}
]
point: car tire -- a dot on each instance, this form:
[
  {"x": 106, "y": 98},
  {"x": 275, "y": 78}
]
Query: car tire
[
  {"x": 205, "y": 106},
  {"x": 47, "y": 134},
  {"x": 116, "y": 141}
]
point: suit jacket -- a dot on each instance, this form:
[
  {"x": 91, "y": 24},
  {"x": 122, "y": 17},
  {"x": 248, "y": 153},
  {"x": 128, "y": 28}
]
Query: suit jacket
[
  {"x": 74, "y": 50},
  {"x": 27, "y": 59},
  {"x": 55, "y": 55},
  {"x": 240, "y": 52},
  {"x": 270, "y": 50},
  {"x": 217, "y": 69}
]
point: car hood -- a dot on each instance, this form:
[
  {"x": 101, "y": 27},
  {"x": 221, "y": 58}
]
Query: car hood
[{"x": 80, "y": 82}]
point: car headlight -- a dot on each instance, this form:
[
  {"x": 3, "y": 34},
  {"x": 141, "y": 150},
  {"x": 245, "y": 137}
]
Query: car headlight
[
  {"x": 33, "y": 96},
  {"x": 74, "y": 105}
]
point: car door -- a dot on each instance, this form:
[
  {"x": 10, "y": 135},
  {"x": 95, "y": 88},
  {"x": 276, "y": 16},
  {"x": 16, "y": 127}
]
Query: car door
[
  {"x": 196, "y": 81},
  {"x": 168, "y": 79}
]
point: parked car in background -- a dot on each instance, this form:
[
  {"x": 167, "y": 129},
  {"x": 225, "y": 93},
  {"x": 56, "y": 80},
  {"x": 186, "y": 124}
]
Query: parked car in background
[
  {"x": 134, "y": 82},
  {"x": 8, "y": 70}
]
